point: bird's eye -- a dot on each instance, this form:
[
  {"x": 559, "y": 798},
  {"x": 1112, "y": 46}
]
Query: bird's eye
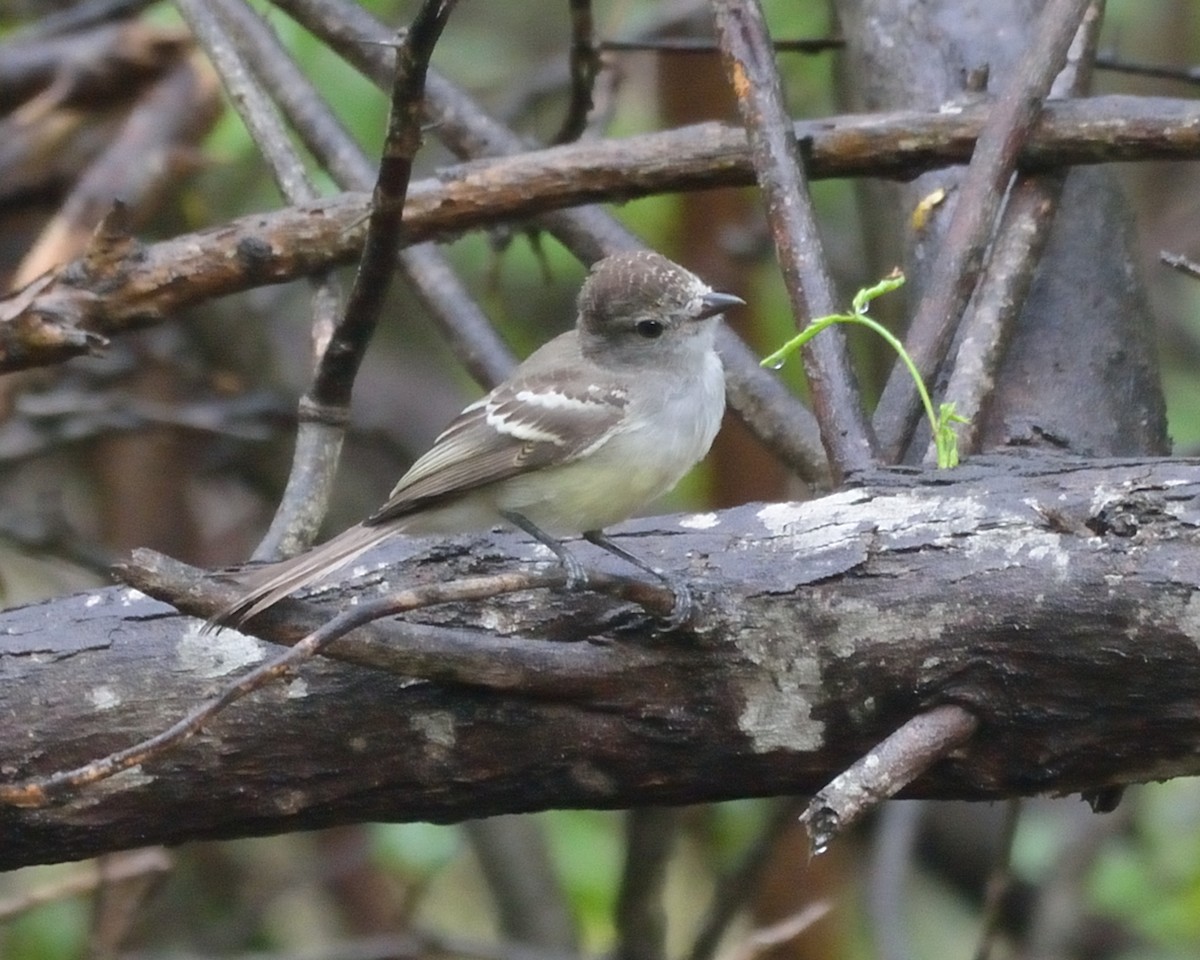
[{"x": 650, "y": 329}]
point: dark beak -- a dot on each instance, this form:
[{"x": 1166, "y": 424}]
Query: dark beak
[{"x": 714, "y": 303}]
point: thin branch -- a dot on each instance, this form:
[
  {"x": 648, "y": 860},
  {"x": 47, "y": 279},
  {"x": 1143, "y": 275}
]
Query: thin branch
[
  {"x": 152, "y": 861},
  {"x": 980, "y": 196},
  {"x": 837, "y": 401},
  {"x": 738, "y": 886},
  {"x": 1114, "y": 64},
  {"x": 1177, "y": 261},
  {"x": 339, "y": 364},
  {"x": 886, "y": 770},
  {"x": 999, "y": 882},
  {"x": 768, "y": 938},
  {"x": 585, "y": 64},
  {"x": 255, "y": 108},
  {"x": 650, "y": 835},
  {"x": 319, "y": 437},
  {"x": 1021, "y": 237}
]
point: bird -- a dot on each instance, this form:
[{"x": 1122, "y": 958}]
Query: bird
[{"x": 593, "y": 425}]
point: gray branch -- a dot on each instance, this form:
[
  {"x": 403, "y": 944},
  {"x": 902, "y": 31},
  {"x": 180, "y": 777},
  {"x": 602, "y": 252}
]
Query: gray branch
[{"x": 1056, "y": 600}]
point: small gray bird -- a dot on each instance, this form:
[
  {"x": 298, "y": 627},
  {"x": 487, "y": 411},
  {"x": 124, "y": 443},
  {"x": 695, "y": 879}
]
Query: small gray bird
[{"x": 593, "y": 425}]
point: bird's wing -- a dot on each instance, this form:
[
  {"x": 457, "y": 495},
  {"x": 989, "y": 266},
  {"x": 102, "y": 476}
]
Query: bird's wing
[{"x": 525, "y": 424}]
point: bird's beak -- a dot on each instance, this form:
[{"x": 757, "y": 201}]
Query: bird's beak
[{"x": 713, "y": 303}]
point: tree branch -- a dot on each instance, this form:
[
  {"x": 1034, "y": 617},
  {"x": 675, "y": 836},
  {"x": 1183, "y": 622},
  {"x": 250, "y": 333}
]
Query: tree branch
[
  {"x": 54, "y": 319},
  {"x": 1024, "y": 590}
]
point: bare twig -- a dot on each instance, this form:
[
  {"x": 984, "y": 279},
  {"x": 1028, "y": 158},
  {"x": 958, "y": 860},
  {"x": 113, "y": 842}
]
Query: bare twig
[
  {"x": 1109, "y": 60},
  {"x": 1178, "y": 261},
  {"x": 516, "y": 862},
  {"x": 999, "y": 881},
  {"x": 650, "y": 834},
  {"x": 151, "y": 861},
  {"x": 256, "y": 109},
  {"x": 777, "y": 934},
  {"x": 738, "y": 886},
  {"x": 585, "y": 64},
  {"x": 471, "y": 657},
  {"x": 339, "y": 363},
  {"x": 837, "y": 402},
  {"x": 319, "y": 437},
  {"x": 982, "y": 192},
  {"x": 464, "y": 325},
  {"x": 1012, "y": 261},
  {"x": 886, "y": 770}
]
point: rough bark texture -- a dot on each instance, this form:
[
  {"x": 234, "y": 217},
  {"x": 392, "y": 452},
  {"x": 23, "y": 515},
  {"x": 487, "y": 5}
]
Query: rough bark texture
[{"x": 1056, "y": 599}]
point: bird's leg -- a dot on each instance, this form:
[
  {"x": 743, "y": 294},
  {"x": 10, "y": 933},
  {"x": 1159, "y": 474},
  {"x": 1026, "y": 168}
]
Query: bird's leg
[
  {"x": 681, "y": 610},
  {"x": 576, "y": 577}
]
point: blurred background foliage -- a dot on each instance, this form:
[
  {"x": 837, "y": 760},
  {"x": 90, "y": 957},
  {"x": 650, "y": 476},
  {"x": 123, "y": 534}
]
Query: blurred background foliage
[{"x": 1129, "y": 883}]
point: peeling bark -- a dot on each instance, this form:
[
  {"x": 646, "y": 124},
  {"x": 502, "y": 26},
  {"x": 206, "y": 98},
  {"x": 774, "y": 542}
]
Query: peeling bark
[{"x": 1057, "y": 600}]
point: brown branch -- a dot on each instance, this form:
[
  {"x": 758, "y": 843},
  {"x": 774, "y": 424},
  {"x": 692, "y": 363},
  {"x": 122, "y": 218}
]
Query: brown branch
[
  {"x": 340, "y": 361},
  {"x": 585, "y": 64},
  {"x": 956, "y": 268},
  {"x": 139, "y": 864},
  {"x": 153, "y": 144},
  {"x": 145, "y": 284},
  {"x": 779, "y": 169},
  {"x": 886, "y": 770}
]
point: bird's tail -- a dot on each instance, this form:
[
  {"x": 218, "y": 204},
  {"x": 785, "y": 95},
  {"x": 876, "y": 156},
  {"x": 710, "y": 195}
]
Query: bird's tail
[{"x": 270, "y": 583}]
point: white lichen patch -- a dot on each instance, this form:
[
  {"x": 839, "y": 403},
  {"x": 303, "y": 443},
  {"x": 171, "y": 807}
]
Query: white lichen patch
[
  {"x": 131, "y": 596},
  {"x": 1001, "y": 548},
  {"x": 436, "y": 727},
  {"x": 700, "y": 521},
  {"x": 93, "y": 600},
  {"x": 217, "y": 654},
  {"x": 104, "y": 697},
  {"x": 1189, "y": 620},
  {"x": 778, "y": 700},
  {"x": 932, "y": 519},
  {"x": 297, "y": 689},
  {"x": 289, "y": 802}
]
